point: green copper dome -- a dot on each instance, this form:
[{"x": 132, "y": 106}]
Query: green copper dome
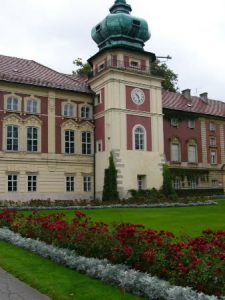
[{"x": 120, "y": 29}]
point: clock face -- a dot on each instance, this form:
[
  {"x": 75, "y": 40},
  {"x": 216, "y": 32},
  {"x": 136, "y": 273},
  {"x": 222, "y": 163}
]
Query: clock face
[{"x": 137, "y": 96}]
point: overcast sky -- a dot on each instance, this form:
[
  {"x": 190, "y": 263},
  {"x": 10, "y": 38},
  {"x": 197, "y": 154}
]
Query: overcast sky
[{"x": 55, "y": 32}]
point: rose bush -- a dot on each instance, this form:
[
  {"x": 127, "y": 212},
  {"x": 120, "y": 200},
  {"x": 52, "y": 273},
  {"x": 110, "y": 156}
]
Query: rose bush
[{"x": 198, "y": 262}]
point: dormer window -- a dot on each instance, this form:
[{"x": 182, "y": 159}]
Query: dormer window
[
  {"x": 174, "y": 122},
  {"x": 136, "y": 23},
  {"x": 101, "y": 67},
  {"x": 98, "y": 28},
  {"x": 12, "y": 103}
]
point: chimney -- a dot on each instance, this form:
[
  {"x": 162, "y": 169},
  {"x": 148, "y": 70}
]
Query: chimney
[
  {"x": 204, "y": 97},
  {"x": 187, "y": 94}
]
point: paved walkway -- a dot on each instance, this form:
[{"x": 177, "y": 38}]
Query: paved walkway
[{"x": 13, "y": 289}]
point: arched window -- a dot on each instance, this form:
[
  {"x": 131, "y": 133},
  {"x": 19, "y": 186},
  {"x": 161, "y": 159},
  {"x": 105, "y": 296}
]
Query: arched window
[
  {"x": 175, "y": 150},
  {"x": 139, "y": 138},
  {"x": 12, "y": 103},
  {"x": 86, "y": 112},
  {"x": 68, "y": 110},
  {"x": 192, "y": 151}
]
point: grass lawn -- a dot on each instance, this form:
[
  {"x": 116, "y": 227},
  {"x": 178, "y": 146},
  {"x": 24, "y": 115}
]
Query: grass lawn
[
  {"x": 56, "y": 281},
  {"x": 179, "y": 220}
]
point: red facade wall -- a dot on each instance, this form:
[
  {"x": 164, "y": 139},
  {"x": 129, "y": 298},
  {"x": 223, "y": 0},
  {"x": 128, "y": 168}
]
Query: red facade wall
[
  {"x": 184, "y": 134},
  {"x": 137, "y": 120},
  {"x": 131, "y": 105},
  {"x": 100, "y": 131},
  {"x": 100, "y": 107},
  {"x": 42, "y": 116}
]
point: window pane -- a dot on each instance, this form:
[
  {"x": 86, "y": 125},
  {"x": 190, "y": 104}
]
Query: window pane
[
  {"x": 69, "y": 141},
  {"x": 175, "y": 152},
  {"x": 12, "y": 138},
  {"x": 192, "y": 153}
]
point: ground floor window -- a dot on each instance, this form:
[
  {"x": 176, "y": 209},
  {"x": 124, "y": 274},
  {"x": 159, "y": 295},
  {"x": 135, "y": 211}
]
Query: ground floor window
[
  {"x": 70, "y": 182},
  {"x": 176, "y": 183},
  {"x": 32, "y": 183},
  {"x": 141, "y": 182},
  {"x": 193, "y": 184},
  {"x": 12, "y": 183},
  {"x": 87, "y": 183}
]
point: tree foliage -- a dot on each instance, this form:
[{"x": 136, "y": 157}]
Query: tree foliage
[
  {"x": 82, "y": 69},
  {"x": 167, "y": 187},
  {"x": 110, "y": 182},
  {"x": 170, "y": 78}
]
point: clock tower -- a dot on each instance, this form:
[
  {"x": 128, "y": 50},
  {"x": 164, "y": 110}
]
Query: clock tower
[{"x": 128, "y": 103}]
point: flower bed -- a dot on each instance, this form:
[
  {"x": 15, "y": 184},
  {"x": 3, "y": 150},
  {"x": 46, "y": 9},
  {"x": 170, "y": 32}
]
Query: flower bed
[{"x": 198, "y": 263}]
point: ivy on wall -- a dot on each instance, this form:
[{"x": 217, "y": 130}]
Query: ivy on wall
[
  {"x": 191, "y": 174},
  {"x": 180, "y": 115}
]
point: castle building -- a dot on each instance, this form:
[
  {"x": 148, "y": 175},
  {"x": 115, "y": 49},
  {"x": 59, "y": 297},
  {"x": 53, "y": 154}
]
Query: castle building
[{"x": 57, "y": 131}]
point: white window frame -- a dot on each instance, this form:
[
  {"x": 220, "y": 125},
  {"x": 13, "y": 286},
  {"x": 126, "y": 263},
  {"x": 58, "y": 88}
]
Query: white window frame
[
  {"x": 192, "y": 155},
  {"x": 212, "y": 141},
  {"x": 32, "y": 105},
  {"x": 191, "y": 124},
  {"x": 15, "y": 140},
  {"x": 87, "y": 183},
  {"x": 31, "y": 183},
  {"x": 70, "y": 144},
  {"x": 193, "y": 183},
  {"x": 141, "y": 182},
  {"x": 13, "y": 179},
  {"x": 212, "y": 126},
  {"x": 177, "y": 183},
  {"x": 86, "y": 142},
  {"x": 142, "y": 136},
  {"x": 98, "y": 99},
  {"x": 86, "y": 112},
  {"x": 173, "y": 158},
  {"x": 99, "y": 146},
  {"x": 213, "y": 157},
  {"x": 14, "y": 105},
  {"x": 69, "y": 109},
  {"x": 32, "y": 139},
  {"x": 215, "y": 183},
  {"x": 70, "y": 183}
]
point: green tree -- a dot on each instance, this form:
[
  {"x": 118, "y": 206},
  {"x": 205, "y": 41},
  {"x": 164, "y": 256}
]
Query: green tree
[
  {"x": 170, "y": 78},
  {"x": 167, "y": 187},
  {"x": 110, "y": 182},
  {"x": 82, "y": 69}
]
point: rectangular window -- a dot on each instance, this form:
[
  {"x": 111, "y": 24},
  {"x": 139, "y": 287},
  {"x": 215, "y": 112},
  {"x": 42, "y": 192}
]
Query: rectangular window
[
  {"x": 192, "y": 153},
  {"x": 191, "y": 124},
  {"x": 70, "y": 182},
  {"x": 12, "y": 138},
  {"x": 98, "y": 99},
  {"x": 215, "y": 183},
  {"x": 174, "y": 122},
  {"x": 212, "y": 141},
  {"x": 177, "y": 183},
  {"x": 32, "y": 183},
  {"x": 69, "y": 140},
  {"x": 193, "y": 183},
  {"x": 212, "y": 126},
  {"x": 99, "y": 146},
  {"x": 86, "y": 142},
  {"x": 32, "y": 106},
  {"x": 12, "y": 183},
  {"x": 213, "y": 157},
  {"x": 134, "y": 64},
  {"x": 32, "y": 139},
  {"x": 175, "y": 152},
  {"x": 87, "y": 183},
  {"x": 141, "y": 182}
]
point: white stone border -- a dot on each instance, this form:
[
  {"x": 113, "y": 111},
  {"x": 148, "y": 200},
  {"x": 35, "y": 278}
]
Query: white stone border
[
  {"x": 138, "y": 283},
  {"x": 83, "y": 207}
]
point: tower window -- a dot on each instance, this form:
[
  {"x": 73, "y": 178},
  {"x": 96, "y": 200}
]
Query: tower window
[{"x": 136, "y": 23}]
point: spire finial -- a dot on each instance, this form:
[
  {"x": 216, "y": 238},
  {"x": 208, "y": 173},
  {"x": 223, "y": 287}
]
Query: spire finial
[{"x": 120, "y": 6}]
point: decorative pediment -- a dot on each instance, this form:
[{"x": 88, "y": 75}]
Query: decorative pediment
[
  {"x": 87, "y": 125},
  {"x": 70, "y": 124},
  {"x": 33, "y": 121},
  {"x": 13, "y": 119}
]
